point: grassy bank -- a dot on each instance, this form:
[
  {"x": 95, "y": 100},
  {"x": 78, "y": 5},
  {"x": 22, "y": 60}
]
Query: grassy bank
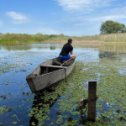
[
  {"x": 117, "y": 37},
  {"x": 12, "y": 39}
]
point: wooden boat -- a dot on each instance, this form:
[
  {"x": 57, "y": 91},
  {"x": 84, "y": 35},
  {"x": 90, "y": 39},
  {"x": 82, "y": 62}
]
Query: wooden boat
[{"x": 47, "y": 74}]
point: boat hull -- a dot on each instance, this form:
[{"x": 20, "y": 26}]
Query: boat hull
[{"x": 46, "y": 75}]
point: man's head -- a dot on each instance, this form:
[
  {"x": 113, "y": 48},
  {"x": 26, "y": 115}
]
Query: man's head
[{"x": 70, "y": 40}]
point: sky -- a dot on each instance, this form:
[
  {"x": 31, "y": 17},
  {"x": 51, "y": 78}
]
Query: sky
[{"x": 68, "y": 17}]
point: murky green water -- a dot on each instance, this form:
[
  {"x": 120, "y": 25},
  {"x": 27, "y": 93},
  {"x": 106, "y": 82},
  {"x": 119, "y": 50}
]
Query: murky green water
[{"x": 18, "y": 106}]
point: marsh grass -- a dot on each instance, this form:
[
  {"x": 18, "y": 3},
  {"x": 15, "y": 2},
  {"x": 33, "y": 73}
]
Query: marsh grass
[
  {"x": 96, "y": 40},
  {"x": 16, "y": 39},
  {"x": 118, "y": 37}
]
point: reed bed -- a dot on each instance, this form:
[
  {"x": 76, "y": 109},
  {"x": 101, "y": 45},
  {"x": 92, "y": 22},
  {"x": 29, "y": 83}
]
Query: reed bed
[
  {"x": 86, "y": 40},
  {"x": 118, "y": 37}
]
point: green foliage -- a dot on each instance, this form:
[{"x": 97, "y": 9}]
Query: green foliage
[
  {"x": 4, "y": 109},
  {"x": 112, "y": 27},
  {"x": 12, "y": 39}
]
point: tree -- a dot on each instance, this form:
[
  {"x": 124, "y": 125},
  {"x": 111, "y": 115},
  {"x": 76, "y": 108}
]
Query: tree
[{"x": 109, "y": 27}]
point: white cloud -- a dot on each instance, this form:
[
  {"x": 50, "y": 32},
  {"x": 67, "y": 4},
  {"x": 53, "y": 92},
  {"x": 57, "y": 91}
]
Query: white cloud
[
  {"x": 73, "y": 4},
  {"x": 100, "y": 18},
  {"x": 17, "y": 17},
  {"x": 95, "y": 21},
  {"x": 109, "y": 17},
  {"x": 83, "y": 4}
]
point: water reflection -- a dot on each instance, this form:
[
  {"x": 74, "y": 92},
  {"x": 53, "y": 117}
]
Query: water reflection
[
  {"x": 87, "y": 54},
  {"x": 27, "y": 47}
]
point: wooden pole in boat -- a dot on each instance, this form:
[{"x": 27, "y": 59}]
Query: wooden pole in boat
[{"x": 92, "y": 85}]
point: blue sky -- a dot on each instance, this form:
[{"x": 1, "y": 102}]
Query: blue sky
[{"x": 69, "y": 17}]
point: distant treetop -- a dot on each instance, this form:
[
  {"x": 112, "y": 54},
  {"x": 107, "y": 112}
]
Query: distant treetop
[{"x": 110, "y": 26}]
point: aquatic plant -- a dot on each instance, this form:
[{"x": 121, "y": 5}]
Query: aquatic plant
[
  {"x": 4, "y": 109},
  {"x": 111, "y": 90}
]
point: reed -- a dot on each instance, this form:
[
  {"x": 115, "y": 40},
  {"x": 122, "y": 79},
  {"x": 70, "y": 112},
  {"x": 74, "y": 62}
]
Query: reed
[
  {"x": 118, "y": 37},
  {"x": 27, "y": 38}
]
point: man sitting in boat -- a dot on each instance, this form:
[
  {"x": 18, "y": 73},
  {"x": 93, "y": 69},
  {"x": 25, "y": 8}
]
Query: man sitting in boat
[{"x": 66, "y": 53}]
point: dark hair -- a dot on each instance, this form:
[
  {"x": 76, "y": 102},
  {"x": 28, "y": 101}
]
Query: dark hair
[{"x": 70, "y": 40}]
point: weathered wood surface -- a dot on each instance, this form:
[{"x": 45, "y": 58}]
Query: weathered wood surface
[
  {"x": 38, "y": 81},
  {"x": 92, "y": 100}
]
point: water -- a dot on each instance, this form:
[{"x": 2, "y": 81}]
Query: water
[{"x": 18, "y": 61}]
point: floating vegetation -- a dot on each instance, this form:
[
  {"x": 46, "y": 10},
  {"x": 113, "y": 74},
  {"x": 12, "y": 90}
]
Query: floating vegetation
[
  {"x": 107, "y": 54},
  {"x": 26, "y": 93},
  {"x": 4, "y": 109},
  {"x": 52, "y": 47},
  {"x": 3, "y": 97},
  {"x": 111, "y": 106}
]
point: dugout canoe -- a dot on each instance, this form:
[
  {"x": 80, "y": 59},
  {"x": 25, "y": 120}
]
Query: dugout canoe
[{"x": 47, "y": 74}]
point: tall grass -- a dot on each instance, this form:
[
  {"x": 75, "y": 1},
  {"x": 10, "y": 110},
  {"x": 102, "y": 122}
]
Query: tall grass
[
  {"x": 118, "y": 37},
  {"x": 26, "y": 38}
]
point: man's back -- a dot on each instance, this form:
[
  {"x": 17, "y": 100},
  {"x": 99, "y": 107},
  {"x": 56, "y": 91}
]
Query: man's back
[{"x": 67, "y": 48}]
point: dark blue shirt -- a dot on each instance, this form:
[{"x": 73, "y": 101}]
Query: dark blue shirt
[{"x": 67, "y": 48}]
